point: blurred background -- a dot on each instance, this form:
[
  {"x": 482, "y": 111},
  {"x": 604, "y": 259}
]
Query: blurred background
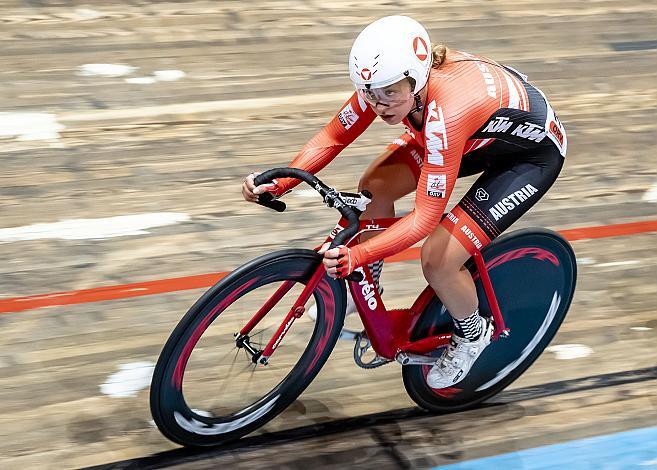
[{"x": 126, "y": 129}]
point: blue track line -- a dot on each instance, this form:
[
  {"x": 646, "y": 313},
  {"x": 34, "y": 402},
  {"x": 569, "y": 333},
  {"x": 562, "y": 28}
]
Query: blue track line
[{"x": 623, "y": 450}]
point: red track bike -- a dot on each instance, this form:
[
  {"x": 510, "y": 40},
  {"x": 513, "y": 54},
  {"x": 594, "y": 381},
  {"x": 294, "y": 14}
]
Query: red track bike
[{"x": 239, "y": 357}]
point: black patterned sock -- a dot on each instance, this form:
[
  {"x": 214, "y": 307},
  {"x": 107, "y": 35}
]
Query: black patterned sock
[
  {"x": 376, "y": 269},
  {"x": 470, "y": 327}
]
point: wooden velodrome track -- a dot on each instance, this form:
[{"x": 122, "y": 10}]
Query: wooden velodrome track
[{"x": 261, "y": 78}]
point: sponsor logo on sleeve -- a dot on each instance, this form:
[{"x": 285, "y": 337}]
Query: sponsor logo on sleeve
[
  {"x": 436, "y": 134},
  {"x": 348, "y": 116},
  {"x": 437, "y": 185}
]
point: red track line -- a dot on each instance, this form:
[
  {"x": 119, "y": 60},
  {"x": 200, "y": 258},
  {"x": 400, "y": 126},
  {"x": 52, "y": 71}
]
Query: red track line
[{"x": 161, "y": 286}]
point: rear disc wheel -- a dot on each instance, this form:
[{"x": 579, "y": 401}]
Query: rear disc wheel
[{"x": 533, "y": 272}]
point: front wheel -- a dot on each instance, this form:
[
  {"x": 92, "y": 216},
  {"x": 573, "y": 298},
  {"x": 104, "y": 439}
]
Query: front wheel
[
  {"x": 206, "y": 390},
  {"x": 533, "y": 272}
]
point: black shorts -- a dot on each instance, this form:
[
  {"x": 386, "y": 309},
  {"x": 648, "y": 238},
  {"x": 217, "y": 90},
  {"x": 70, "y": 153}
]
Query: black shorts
[{"x": 512, "y": 180}]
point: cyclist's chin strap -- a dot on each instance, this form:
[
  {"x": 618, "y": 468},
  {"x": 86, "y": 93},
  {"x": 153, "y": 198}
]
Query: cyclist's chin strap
[{"x": 418, "y": 104}]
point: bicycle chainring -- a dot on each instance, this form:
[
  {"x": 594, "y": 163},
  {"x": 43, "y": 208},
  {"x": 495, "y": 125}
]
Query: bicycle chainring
[{"x": 361, "y": 347}]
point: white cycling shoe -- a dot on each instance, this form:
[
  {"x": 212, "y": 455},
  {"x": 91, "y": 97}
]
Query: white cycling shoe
[
  {"x": 457, "y": 359},
  {"x": 351, "y": 308}
]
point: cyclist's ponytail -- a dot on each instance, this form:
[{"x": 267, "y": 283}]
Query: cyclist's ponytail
[{"x": 438, "y": 52}]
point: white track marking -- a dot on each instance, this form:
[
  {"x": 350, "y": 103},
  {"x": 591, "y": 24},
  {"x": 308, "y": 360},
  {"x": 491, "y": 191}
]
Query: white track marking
[
  {"x": 129, "y": 380},
  {"x": 81, "y": 229},
  {"x": 618, "y": 263},
  {"x": 140, "y": 80},
  {"x": 168, "y": 75},
  {"x": 584, "y": 261},
  {"x": 569, "y": 351},
  {"x": 640, "y": 328},
  {"x": 158, "y": 76},
  {"x": 651, "y": 194},
  {"x": 87, "y": 14},
  {"x": 247, "y": 104},
  {"x": 30, "y": 126},
  {"x": 105, "y": 70}
]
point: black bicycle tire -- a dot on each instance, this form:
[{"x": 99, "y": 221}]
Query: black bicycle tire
[
  {"x": 172, "y": 349},
  {"x": 413, "y": 379}
]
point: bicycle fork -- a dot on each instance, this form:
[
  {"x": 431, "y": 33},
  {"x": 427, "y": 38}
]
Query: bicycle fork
[{"x": 242, "y": 338}]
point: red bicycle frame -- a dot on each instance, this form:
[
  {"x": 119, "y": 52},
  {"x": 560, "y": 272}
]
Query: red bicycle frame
[{"x": 388, "y": 331}]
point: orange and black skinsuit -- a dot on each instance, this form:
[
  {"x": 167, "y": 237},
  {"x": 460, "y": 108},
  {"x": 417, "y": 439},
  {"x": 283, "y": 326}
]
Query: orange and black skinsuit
[{"x": 479, "y": 117}]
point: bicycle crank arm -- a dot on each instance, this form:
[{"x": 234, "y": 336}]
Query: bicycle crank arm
[{"x": 410, "y": 359}]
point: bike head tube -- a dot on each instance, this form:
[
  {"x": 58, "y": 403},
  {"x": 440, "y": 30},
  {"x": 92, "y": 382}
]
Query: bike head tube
[{"x": 331, "y": 197}]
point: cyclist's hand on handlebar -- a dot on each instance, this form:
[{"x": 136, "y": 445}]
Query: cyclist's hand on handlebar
[
  {"x": 339, "y": 262},
  {"x": 251, "y": 192}
]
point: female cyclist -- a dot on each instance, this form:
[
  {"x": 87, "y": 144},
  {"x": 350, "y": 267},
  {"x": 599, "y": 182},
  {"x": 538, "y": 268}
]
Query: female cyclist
[{"x": 464, "y": 114}]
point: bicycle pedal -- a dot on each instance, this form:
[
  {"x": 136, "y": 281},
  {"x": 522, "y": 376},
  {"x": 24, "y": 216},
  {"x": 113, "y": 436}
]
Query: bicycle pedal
[
  {"x": 505, "y": 333},
  {"x": 410, "y": 359}
]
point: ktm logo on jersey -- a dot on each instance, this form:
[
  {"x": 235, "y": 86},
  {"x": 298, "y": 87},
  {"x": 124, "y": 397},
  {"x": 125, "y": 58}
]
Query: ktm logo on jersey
[{"x": 420, "y": 48}]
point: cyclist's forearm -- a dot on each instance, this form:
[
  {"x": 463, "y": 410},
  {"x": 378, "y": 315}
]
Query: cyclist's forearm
[
  {"x": 403, "y": 234},
  {"x": 341, "y": 131}
]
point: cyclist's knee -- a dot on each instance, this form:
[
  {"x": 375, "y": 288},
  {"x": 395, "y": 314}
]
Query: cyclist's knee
[
  {"x": 388, "y": 181},
  {"x": 376, "y": 182},
  {"x": 442, "y": 257},
  {"x": 434, "y": 262}
]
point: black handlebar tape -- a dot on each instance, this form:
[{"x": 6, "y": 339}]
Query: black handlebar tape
[
  {"x": 267, "y": 200},
  {"x": 351, "y": 230},
  {"x": 286, "y": 172}
]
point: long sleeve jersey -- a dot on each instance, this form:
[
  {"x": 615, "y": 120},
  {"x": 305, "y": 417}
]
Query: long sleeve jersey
[{"x": 467, "y": 99}]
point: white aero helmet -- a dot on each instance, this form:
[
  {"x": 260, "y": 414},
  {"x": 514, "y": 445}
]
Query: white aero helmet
[{"x": 388, "y": 50}]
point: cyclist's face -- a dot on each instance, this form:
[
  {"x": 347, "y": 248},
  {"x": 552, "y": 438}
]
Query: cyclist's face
[{"x": 391, "y": 103}]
